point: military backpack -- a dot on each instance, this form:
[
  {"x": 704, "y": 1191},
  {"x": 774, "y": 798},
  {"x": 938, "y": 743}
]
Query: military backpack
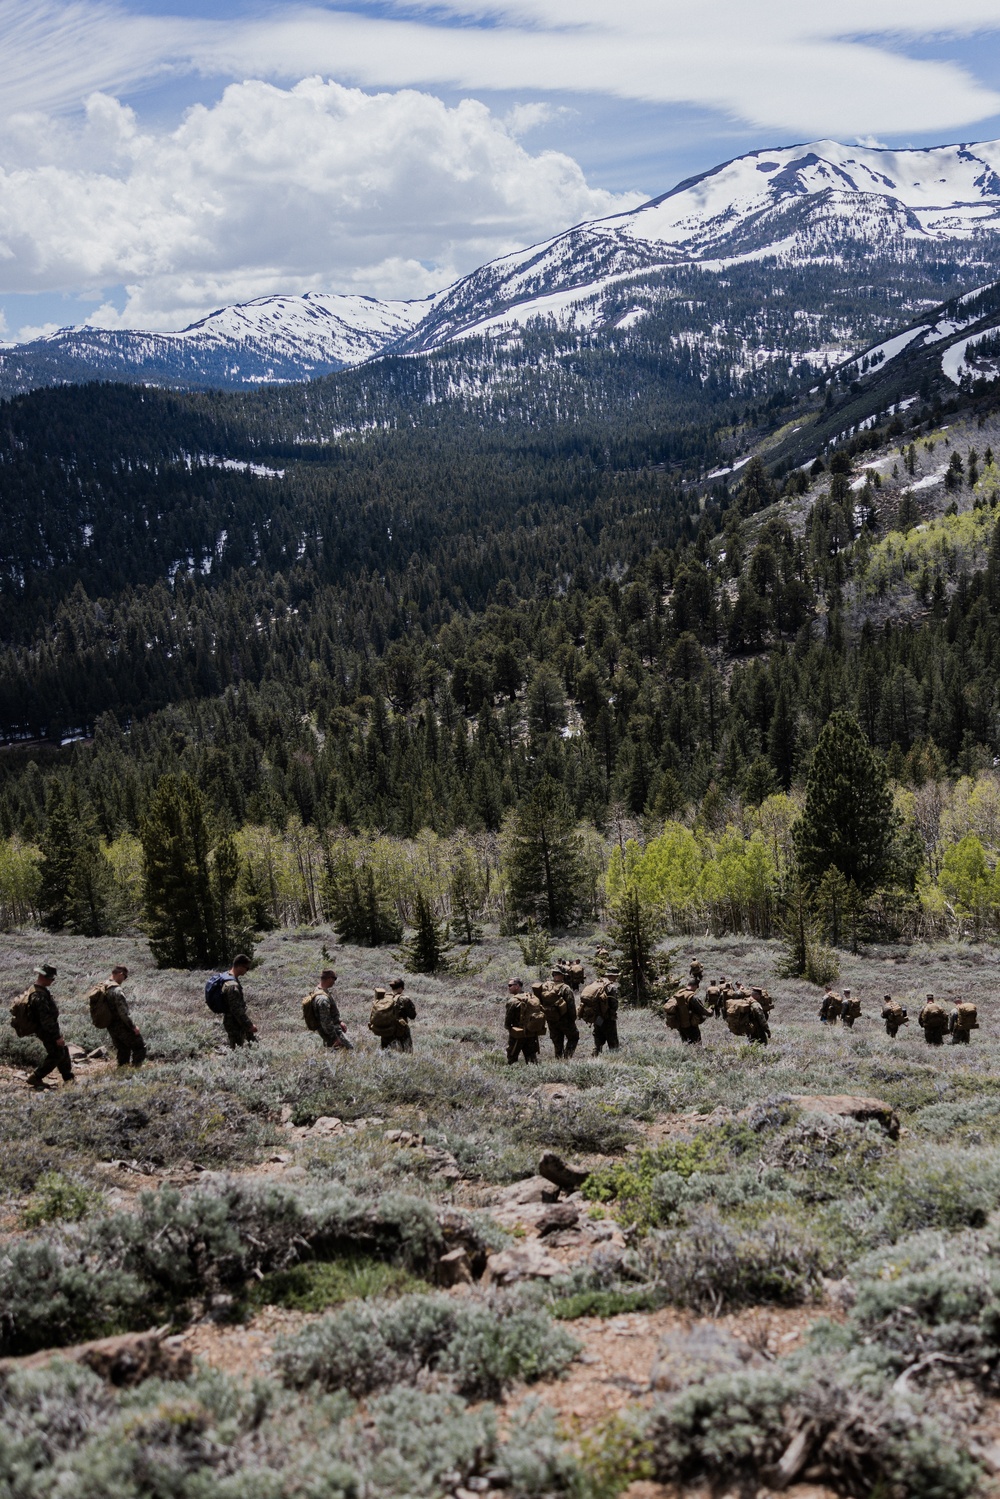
[
  {"x": 21, "y": 1019},
  {"x": 532, "y": 1017},
  {"x": 677, "y": 1010},
  {"x": 739, "y": 1016},
  {"x": 384, "y": 1019},
  {"x": 851, "y": 1009},
  {"x": 933, "y": 1017},
  {"x": 594, "y": 1002},
  {"x": 966, "y": 1016},
  {"x": 552, "y": 999},
  {"x": 101, "y": 1013},
  {"x": 574, "y": 974},
  {"x": 309, "y": 1012},
  {"x": 214, "y": 997}
]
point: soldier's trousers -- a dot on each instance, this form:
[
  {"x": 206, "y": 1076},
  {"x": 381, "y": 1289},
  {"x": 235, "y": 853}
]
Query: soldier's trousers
[
  {"x": 959, "y": 1038},
  {"x": 849, "y": 1022},
  {"x": 891, "y": 1028},
  {"x": 522, "y": 1046},
  {"x": 338, "y": 1039},
  {"x": 129, "y": 1046},
  {"x": 238, "y": 1031},
  {"x": 55, "y": 1057},
  {"x": 691, "y": 1034},
  {"x": 605, "y": 1033},
  {"x": 934, "y": 1038},
  {"x": 565, "y": 1039},
  {"x": 398, "y": 1042}
]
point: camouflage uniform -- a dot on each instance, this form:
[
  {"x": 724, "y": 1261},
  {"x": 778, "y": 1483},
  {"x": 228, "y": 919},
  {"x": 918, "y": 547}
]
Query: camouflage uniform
[
  {"x": 713, "y": 998},
  {"x": 696, "y": 972},
  {"x": 698, "y": 1012},
  {"x": 933, "y": 1021},
  {"x": 45, "y": 1017},
  {"x": 563, "y": 1031},
  {"x": 894, "y": 1015},
  {"x": 402, "y": 1038},
  {"x": 328, "y": 1021},
  {"x": 829, "y": 1010},
  {"x": 606, "y": 1024},
  {"x": 961, "y": 1032},
  {"x": 235, "y": 1020},
  {"x": 128, "y": 1043},
  {"x": 518, "y": 1046}
]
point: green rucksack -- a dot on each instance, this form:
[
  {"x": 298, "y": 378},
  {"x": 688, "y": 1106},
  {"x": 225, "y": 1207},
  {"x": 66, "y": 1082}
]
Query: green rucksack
[
  {"x": 21, "y": 1020},
  {"x": 309, "y": 1012},
  {"x": 593, "y": 1002},
  {"x": 384, "y": 1018},
  {"x": 101, "y": 1014},
  {"x": 532, "y": 1016}
]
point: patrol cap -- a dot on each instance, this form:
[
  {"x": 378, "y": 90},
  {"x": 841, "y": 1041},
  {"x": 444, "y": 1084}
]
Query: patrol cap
[
  {"x": 558, "y": 972},
  {"x": 46, "y": 971},
  {"x": 847, "y": 991},
  {"x": 398, "y": 984},
  {"x": 758, "y": 990},
  {"x": 512, "y": 981}
]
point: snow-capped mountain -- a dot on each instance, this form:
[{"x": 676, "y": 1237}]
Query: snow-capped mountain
[
  {"x": 270, "y": 339},
  {"x": 818, "y": 202},
  {"x": 796, "y": 230}
]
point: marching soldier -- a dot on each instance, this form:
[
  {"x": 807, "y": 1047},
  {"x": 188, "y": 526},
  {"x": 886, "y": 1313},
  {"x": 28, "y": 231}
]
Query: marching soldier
[
  {"x": 933, "y": 1020},
  {"x": 829, "y": 1010},
  {"x": 894, "y": 1015},
  {"x": 128, "y": 1042},
  {"x": 235, "y": 1021},
  {"x": 327, "y": 1013},
  {"x": 524, "y": 1022},
  {"x": 42, "y": 1015}
]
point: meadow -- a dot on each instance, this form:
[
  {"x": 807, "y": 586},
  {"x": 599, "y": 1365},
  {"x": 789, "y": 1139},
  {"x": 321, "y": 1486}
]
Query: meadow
[{"x": 200, "y": 1194}]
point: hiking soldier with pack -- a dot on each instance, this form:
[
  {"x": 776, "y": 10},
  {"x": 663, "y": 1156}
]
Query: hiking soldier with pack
[
  {"x": 321, "y": 1014},
  {"x": 745, "y": 1016},
  {"x": 224, "y": 996},
  {"x": 894, "y": 1014},
  {"x": 850, "y": 1009},
  {"x": 963, "y": 1020},
  {"x": 35, "y": 1013},
  {"x": 829, "y": 1010},
  {"x": 572, "y": 973},
  {"x": 524, "y": 1022},
  {"x": 684, "y": 1012},
  {"x": 933, "y": 1021},
  {"x": 714, "y": 996},
  {"x": 390, "y": 1016},
  {"x": 696, "y": 972},
  {"x": 599, "y": 1008},
  {"x": 109, "y": 1012},
  {"x": 559, "y": 1004}
]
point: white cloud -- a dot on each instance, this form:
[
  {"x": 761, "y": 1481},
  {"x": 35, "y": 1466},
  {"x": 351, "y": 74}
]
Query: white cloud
[
  {"x": 319, "y": 187},
  {"x": 775, "y": 63}
]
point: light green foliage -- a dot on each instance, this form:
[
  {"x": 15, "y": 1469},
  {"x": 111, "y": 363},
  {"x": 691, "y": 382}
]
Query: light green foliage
[
  {"x": 319, "y": 1284},
  {"x": 632, "y": 1184},
  {"x": 58, "y": 1198},
  {"x": 20, "y": 879},
  {"x": 944, "y": 546}
]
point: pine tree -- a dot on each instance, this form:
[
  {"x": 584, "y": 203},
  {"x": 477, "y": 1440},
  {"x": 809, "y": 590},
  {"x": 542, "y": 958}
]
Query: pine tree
[
  {"x": 543, "y": 857},
  {"x": 468, "y": 892},
  {"x": 359, "y": 906},
  {"x": 180, "y": 903},
  {"x": 635, "y": 929},
  {"x": 848, "y": 819},
  {"x": 77, "y": 882},
  {"x": 427, "y": 949}
]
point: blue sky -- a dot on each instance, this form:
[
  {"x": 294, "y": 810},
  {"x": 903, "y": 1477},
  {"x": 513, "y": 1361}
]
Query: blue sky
[{"x": 162, "y": 158}]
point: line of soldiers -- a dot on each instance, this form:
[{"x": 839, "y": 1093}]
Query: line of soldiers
[
  {"x": 551, "y": 1006},
  {"x": 934, "y": 1019}
]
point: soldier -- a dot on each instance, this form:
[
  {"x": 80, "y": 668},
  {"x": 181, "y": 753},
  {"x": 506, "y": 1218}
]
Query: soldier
[
  {"x": 599, "y": 1008},
  {"x": 829, "y": 1010},
  {"x": 128, "y": 1042},
  {"x": 698, "y": 1013},
  {"x": 235, "y": 1021},
  {"x": 850, "y": 1009},
  {"x": 327, "y": 1013},
  {"x": 405, "y": 1012},
  {"x": 43, "y": 1016},
  {"x": 696, "y": 972},
  {"x": 933, "y": 1021},
  {"x": 559, "y": 1004},
  {"x": 745, "y": 1016},
  {"x": 520, "y": 1041},
  {"x": 894, "y": 1015},
  {"x": 713, "y": 997},
  {"x": 571, "y": 970},
  {"x": 602, "y": 961},
  {"x": 963, "y": 1020}
]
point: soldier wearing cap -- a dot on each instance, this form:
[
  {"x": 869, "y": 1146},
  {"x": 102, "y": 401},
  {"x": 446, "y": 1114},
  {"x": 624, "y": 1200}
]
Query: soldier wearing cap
[
  {"x": 933, "y": 1021},
  {"x": 406, "y": 1011},
  {"x": 44, "y": 1014}
]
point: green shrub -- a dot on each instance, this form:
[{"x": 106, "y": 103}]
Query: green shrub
[
  {"x": 710, "y": 1264},
  {"x": 605, "y": 1303},
  {"x": 482, "y": 1345},
  {"x": 58, "y": 1198},
  {"x": 738, "y": 1426},
  {"x": 320, "y": 1284}
]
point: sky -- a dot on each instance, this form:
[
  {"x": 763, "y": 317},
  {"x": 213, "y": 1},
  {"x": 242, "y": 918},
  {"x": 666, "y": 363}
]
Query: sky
[{"x": 162, "y": 158}]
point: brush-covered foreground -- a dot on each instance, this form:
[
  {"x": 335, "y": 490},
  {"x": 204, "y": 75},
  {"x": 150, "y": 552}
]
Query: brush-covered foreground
[{"x": 200, "y": 1192}]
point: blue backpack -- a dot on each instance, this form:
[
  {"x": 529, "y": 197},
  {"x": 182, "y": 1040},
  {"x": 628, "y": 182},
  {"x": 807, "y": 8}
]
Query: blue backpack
[{"x": 214, "y": 997}]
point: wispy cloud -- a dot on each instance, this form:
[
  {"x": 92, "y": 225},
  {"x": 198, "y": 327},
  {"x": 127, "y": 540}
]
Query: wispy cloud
[{"x": 773, "y": 63}]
